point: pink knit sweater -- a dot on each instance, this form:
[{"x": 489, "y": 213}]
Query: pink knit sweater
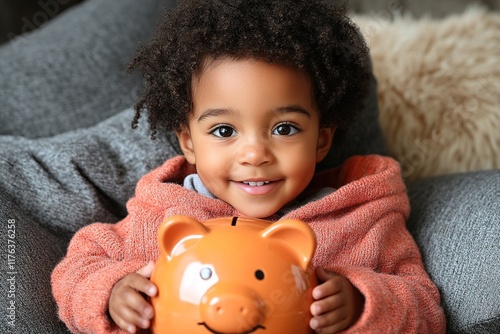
[{"x": 360, "y": 230}]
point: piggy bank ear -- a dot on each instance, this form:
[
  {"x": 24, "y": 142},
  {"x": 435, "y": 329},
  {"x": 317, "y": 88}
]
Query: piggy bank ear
[
  {"x": 297, "y": 235},
  {"x": 179, "y": 230}
]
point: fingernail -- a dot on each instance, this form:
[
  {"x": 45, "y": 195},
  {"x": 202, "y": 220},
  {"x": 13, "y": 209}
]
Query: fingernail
[
  {"x": 316, "y": 293},
  {"x": 314, "y": 324}
]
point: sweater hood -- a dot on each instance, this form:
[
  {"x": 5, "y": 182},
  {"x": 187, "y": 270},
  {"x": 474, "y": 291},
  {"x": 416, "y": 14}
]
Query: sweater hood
[
  {"x": 162, "y": 190},
  {"x": 360, "y": 180}
]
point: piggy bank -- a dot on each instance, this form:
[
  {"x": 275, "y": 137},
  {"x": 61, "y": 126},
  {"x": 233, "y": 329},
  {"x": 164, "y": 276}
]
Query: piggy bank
[{"x": 233, "y": 275}]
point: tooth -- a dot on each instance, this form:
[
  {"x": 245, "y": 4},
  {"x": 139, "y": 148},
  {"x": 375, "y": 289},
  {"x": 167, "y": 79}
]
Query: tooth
[{"x": 256, "y": 184}]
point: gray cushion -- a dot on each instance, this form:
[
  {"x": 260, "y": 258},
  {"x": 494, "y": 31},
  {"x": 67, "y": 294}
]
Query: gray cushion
[
  {"x": 455, "y": 220},
  {"x": 68, "y": 75},
  {"x": 52, "y": 79},
  {"x": 36, "y": 252},
  {"x": 75, "y": 178}
]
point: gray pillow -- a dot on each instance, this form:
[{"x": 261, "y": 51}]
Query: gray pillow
[
  {"x": 455, "y": 220},
  {"x": 70, "y": 74}
]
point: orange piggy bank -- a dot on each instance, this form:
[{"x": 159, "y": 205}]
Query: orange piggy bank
[{"x": 233, "y": 275}]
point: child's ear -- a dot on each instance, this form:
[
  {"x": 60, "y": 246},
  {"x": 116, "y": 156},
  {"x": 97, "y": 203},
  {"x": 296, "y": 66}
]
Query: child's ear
[
  {"x": 325, "y": 139},
  {"x": 186, "y": 143}
]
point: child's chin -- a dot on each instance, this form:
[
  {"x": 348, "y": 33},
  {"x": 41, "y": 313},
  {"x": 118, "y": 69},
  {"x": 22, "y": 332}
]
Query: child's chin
[{"x": 258, "y": 213}]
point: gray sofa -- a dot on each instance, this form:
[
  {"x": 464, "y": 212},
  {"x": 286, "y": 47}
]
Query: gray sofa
[{"x": 68, "y": 157}]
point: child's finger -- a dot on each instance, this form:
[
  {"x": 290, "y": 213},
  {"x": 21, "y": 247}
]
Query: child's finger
[
  {"x": 138, "y": 304},
  {"x": 328, "y": 328},
  {"x": 330, "y": 319},
  {"x": 131, "y": 309},
  {"x": 147, "y": 270},
  {"x": 327, "y": 304},
  {"x": 129, "y": 320},
  {"x": 331, "y": 286},
  {"x": 324, "y": 274},
  {"x": 142, "y": 284},
  {"x": 136, "y": 320},
  {"x": 126, "y": 326}
]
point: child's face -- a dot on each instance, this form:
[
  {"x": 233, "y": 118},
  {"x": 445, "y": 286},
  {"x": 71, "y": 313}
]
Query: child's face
[{"x": 254, "y": 134}]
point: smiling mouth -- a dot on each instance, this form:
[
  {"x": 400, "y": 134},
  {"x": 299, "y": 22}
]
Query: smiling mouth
[
  {"x": 215, "y": 332},
  {"x": 256, "y": 183}
]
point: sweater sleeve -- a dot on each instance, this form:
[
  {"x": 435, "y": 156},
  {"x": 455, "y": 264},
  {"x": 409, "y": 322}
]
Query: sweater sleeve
[
  {"x": 399, "y": 295},
  {"x": 98, "y": 256}
]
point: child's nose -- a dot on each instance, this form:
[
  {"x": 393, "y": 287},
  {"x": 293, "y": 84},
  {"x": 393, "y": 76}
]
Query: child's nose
[{"x": 254, "y": 153}]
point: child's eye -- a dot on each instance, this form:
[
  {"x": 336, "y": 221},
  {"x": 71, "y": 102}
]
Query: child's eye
[
  {"x": 223, "y": 131},
  {"x": 285, "y": 129}
]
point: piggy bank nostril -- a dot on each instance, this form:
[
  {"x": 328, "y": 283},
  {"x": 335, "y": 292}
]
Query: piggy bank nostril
[
  {"x": 220, "y": 310},
  {"x": 228, "y": 307},
  {"x": 243, "y": 310}
]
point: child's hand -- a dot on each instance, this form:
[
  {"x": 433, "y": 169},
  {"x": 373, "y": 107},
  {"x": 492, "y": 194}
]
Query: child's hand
[
  {"x": 338, "y": 304},
  {"x": 127, "y": 307}
]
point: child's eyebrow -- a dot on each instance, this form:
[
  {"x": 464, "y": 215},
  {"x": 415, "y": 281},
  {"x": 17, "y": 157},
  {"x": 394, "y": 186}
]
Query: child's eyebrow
[
  {"x": 293, "y": 109},
  {"x": 214, "y": 112}
]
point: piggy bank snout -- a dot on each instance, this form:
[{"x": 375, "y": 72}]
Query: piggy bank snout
[{"x": 232, "y": 309}]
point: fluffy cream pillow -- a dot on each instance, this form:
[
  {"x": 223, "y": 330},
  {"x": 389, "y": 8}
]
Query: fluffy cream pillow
[{"x": 439, "y": 90}]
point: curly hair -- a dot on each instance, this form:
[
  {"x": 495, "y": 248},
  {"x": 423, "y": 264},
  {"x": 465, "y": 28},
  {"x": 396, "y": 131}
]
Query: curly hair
[{"x": 311, "y": 35}]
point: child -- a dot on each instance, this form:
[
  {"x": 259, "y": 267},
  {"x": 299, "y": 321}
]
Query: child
[{"x": 254, "y": 90}]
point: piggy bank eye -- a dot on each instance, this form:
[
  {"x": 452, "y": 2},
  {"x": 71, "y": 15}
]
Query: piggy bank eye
[
  {"x": 206, "y": 273},
  {"x": 259, "y": 274}
]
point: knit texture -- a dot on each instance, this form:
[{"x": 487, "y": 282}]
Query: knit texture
[{"x": 360, "y": 230}]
